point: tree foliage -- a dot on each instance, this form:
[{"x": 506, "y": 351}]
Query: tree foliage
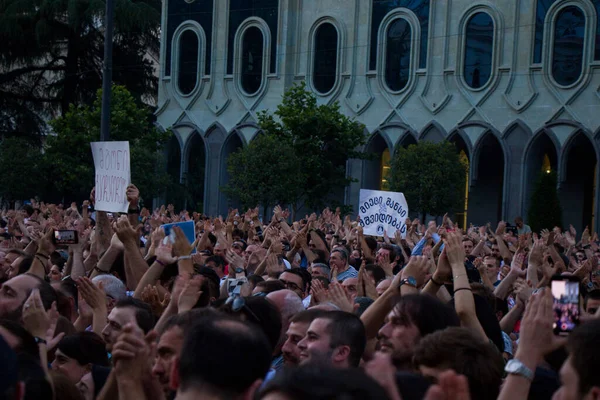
[
  {"x": 267, "y": 172},
  {"x": 431, "y": 176},
  {"x": 19, "y": 162},
  {"x": 322, "y": 137},
  {"x": 52, "y": 54},
  {"x": 545, "y": 211},
  {"x": 69, "y": 157}
]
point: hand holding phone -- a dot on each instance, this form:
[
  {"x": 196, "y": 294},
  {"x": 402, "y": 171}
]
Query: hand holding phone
[{"x": 64, "y": 237}]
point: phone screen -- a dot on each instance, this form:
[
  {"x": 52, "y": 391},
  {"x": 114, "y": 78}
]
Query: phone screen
[
  {"x": 65, "y": 237},
  {"x": 566, "y": 305}
]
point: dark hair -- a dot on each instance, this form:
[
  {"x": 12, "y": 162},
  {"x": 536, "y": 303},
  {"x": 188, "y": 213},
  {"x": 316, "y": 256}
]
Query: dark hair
[
  {"x": 27, "y": 344},
  {"x": 371, "y": 243},
  {"x": 347, "y": 329},
  {"x": 343, "y": 253},
  {"x": 227, "y": 343},
  {"x": 186, "y": 320},
  {"x": 323, "y": 280},
  {"x": 488, "y": 320},
  {"x": 321, "y": 256},
  {"x": 255, "y": 279},
  {"x": 427, "y": 312},
  {"x": 392, "y": 250},
  {"x": 307, "y": 316},
  {"x": 212, "y": 238},
  {"x": 592, "y": 294},
  {"x": 218, "y": 260},
  {"x": 461, "y": 350},
  {"x": 585, "y": 356},
  {"x": 377, "y": 271},
  {"x": 85, "y": 348},
  {"x": 270, "y": 286},
  {"x": 143, "y": 312},
  {"x": 64, "y": 389},
  {"x": 25, "y": 264},
  {"x": 324, "y": 383},
  {"x": 496, "y": 259},
  {"x": 323, "y": 237},
  {"x": 262, "y": 312},
  {"x": 304, "y": 274}
]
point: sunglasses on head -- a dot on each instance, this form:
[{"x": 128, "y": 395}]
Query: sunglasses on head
[{"x": 238, "y": 304}]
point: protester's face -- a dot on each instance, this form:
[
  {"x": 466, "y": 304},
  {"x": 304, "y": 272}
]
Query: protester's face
[
  {"x": 167, "y": 351},
  {"x": 249, "y": 251},
  {"x": 570, "y": 383},
  {"x": 495, "y": 250},
  {"x": 219, "y": 250},
  {"x": 315, "y": 347},
  {"x": 238, "y": 248},
  {"x": 492, "y": 268},
  {"x": 213, "y": 265},
  {"x": 336, "y": 261},
  {"x": 117, "y": 319},
  {"x": 13, "y": 294},
  {"x": 14, "y": 267},
  {"x": 351, "y": 285},
  {"x": 86, "y": 386},
  {"x": 381, "y": 254},
  {"x": 468, "y": 246},
  {"x": 69, "y": 367},
  {"x": 355, "y": 254},
  {"x": 519, "y": 223},
  {"x": 55, "y": 274},
  {"x": 293, "y": 282},
  {"x": 383, "y": 286},
  {"x": 398, "y": 334},
  {"x": 318, "y": 271},
  {"x": 293, "y": 336},
  {"x": 592, "y": 306}
]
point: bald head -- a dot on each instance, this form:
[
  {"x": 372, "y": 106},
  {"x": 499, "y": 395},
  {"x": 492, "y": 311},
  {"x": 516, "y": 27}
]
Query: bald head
[{"x": 287, "y": 302}]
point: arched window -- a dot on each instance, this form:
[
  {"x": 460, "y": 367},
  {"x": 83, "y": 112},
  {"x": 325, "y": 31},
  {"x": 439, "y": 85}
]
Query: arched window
[
  {"x": 397, "y": 54},
  {"x": 252, "y": 60},
  {"x": 325, "y": 58},
  {"x": 479, "y": 47},
  {"x": 569, "y": 34},
  {"x": 189, "y": 46}
]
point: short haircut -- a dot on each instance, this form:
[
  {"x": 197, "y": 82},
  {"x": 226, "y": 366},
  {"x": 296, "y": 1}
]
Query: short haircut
[
  {"x": 218, "y": 260},
  {"x": 496, "y": 259},
  {"x": 47, "y": 292},
  {"x": 112, "y": 286},
  {"x": 27, "y": 343},
  {"x": 347, "y": 329},
  {"x": 592, "y": 294},
  {"x": 461, "y": 350},
  {"x": 302, "y": 273},
  {"x": 371, "y": 242},
  {"x": 343, "y": 253},
  {"x": 308, "y": 316},
  {"x": 377, "y": 271},
  {"x": 324, "y": 267},
  {"x": 319, "y": 382},
  {"x": 321, "y": 256},
  {"x": 585, "y": 355},
  {"x": 85, "y": 348},
  {"x": 392, "y": 250},
  {"x": 186, "y": 320},
  {"x": 325, "y": 281},
  {"x": 427, "y": 312},
  {"x": 25, "y": 264},
  {"x": 255, "y": 279},
  {"x": 227, "y": 343},
  {"x": 270, "y": 286},
  {"x": 143, "y": 312},
  {"x": 488, "y": 321}
]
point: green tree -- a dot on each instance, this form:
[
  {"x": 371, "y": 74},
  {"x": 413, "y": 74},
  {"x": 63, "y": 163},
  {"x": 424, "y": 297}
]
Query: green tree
[
  {"x": 431, "y": 176},
  {"x": 52, "y": 56},
  {"x": 267, "y": 172},
  {"x": 19, "y": 163},
  {"x": 545, "y": 211},
  {"x": 68, "y": 154},
  {"x": 322, "y": 137}
]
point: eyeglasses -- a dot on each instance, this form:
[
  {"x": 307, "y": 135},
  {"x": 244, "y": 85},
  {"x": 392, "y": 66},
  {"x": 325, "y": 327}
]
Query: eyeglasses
[
  {"x": 290, "y": 285},
  {"x": 238, "y": 304}
]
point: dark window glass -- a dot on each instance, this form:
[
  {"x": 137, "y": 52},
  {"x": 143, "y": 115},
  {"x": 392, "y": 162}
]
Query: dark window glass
[
  {"x": 180, "y": 11},
  {"x": 569, "y": 33},
  {"x": 381, "y": 8},
  {"x": 188, "y": 61},
  {"x": 542, "y": 10},
  {"x": 239, "y": 11},
  {"x": 479, "y": 46},
  {"x": 252, "y": 60},
  {"x": 325, "y": 58},
  {"x": 397, "y": 56}
]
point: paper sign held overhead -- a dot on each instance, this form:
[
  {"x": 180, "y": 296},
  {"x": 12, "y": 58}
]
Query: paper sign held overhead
[
  {"x": 381, "y": 211},
  {"x": 113, "y": 175}
]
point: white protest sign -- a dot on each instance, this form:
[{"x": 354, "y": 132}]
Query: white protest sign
[
  {"x": 113, "y": 175},
  {"x": 381, "y": 211}
]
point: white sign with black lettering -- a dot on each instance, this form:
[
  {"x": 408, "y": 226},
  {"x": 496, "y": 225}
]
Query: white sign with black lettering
[
  {"x": 381, "y": 211},
  {"x": 113, "y": 175}
]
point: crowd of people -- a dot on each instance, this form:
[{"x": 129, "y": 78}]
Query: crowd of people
[{"x": 288, "y": 310}]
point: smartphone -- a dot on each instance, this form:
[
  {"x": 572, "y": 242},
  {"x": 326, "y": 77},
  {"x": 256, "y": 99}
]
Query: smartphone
[
  {"x": 66, "y": 237},
  {"x": 566, "y": 307}
]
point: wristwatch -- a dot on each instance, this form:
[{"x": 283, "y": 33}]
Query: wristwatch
[
  {"x": 410, "y": 281},
  {"x": 516, "y": 367},
  {"x": 39, "y": 340},
  {"x": 239, "y": 270}
]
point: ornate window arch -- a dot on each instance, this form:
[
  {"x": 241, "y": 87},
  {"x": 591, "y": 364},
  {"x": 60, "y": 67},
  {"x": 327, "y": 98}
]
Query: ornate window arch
[
  {"x": 478, "y": 60},
  {"x": 187, "y": 58},
  {"x": 326, "y": 38},
  {"x": 252, "y": 44}
]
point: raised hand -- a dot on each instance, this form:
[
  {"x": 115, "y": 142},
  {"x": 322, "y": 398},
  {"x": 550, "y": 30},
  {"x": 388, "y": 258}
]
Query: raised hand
[
  {"x": 501, "y": 228},
  {"x": 516, "y": 266},
  {"x": 450, "y": 386},
  {"x": 133, "y": 196},
  {"x": 340, "y": 297},
  {"x": 126, "y": 233},
  {"x": 35, "y": 319},
  {"x": 418, "y": 268},
  {"x": 93, "y": 295},
  {"x": 182, "y": 246},
  {"x": 190, "y": 294},
  {"x": 151, "y": 296}
]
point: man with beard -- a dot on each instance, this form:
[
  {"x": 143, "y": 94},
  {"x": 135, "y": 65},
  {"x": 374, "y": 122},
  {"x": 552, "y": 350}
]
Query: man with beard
[
  {"x": 411, "y": 319},
  {"x": 299, "y": 324},
  {"x": 335, "y": 339},
  {"x": 15, "y": 291}
]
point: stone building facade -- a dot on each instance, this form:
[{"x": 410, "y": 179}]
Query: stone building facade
[{"x": 514, "y": 83}]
